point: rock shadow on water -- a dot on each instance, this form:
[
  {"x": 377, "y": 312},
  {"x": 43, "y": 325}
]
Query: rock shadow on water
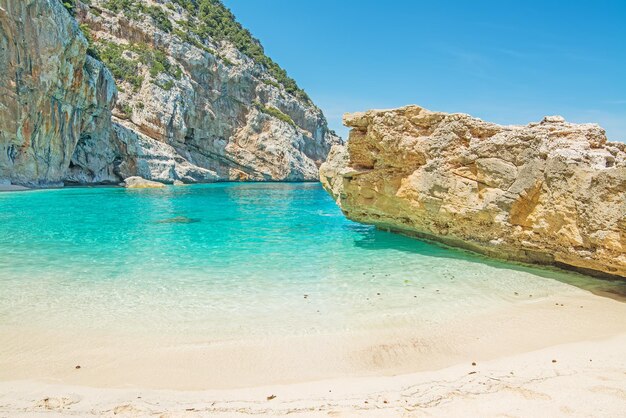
[
  {"x": 371, "y": 238},
  {"x": 178, "y": 220}
]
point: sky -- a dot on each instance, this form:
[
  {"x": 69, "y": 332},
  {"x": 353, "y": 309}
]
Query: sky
[{"x": 509, "y": 62}]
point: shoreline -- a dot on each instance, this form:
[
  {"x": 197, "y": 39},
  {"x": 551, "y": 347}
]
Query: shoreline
[
  {"x": 317, "y": 376},
  {"x": 608, "y": 290},
  {"x": 19, "y": 188},
  {"x": 13, "y": 188}
]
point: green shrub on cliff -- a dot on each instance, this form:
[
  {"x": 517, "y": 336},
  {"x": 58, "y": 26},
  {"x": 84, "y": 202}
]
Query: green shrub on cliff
[
  {"x": 69, "y": 5},
  {"x": 122, "y": 67},
  {"x": 132, "y": 9},
  {"x": 118, "y": 59},
  {"x": 161, "y": 19},
  {"x": 91, "y": 48},
  {"x": 272, "y": 111}
]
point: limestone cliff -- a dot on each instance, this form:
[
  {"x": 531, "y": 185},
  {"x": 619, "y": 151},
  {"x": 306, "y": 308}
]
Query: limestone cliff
[
  {"x": 201, "y": 97},
  {"x": 550, "y": 192},
  {"x": 196, "y": 100},
  {"x": 52, "y": 96}
]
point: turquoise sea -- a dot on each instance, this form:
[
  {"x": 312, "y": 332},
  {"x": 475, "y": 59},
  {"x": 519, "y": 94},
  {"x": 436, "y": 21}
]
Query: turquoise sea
[{"x": 235, "y": 259}]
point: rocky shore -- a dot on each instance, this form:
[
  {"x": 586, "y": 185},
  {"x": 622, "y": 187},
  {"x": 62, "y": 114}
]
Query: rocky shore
[{"x": 550, "y": 193}]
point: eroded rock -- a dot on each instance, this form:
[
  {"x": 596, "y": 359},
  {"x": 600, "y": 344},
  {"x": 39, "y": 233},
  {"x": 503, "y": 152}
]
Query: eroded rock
[
  {"x": 137, "y": 182},
  {"x": 211, "y": 113},
  {"x": 190, "y": 108},
  {"x": 550, "y": 192}
]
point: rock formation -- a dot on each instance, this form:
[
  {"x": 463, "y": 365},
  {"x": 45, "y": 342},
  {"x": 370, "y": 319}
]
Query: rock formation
[
  {"x": 52, "y": 96},
  {"x": 198, "y": 108},
  {"x": 197, "y": 99},
  {"x": 550, "y": 192},
  {"x": 136, "y": 182}
]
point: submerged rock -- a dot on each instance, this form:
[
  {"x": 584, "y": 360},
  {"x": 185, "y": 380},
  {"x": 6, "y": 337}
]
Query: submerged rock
[
  {"x": 551, "y": 192},
  {"x": 179, "y": 220},
  {"x": 137, "y": 182}
]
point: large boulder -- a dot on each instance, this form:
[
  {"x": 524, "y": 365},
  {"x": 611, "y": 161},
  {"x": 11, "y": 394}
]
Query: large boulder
[
  {"x": 137, "y": 182},
  {"x": 550, "y": 192}
]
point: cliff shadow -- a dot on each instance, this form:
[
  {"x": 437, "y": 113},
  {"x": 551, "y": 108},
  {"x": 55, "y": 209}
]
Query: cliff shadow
[{"x": 373, "y": 239}]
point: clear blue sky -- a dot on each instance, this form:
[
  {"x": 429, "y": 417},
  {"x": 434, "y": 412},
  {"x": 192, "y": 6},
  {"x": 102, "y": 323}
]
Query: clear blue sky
[{"x": 503, "y": 61}]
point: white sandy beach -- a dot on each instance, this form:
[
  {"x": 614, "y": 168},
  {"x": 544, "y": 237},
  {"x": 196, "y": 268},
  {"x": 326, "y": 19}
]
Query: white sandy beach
[
  {"x": 587, "y": 379},
  {"x": 536, "y": 358}
]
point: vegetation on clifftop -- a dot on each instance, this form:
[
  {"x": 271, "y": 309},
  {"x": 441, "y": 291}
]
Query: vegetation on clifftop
[
  {"x": 213, "y": 20},
  {"x": 208, "y": 20}
]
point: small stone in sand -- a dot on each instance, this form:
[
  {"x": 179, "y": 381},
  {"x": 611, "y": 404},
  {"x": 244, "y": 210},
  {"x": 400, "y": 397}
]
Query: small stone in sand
[
  {"x": 77, "y": 367},
  {"x": 269, "y": 398},
  {"x": 473, "y": 363},
  {"x": 306, "y": 296},
  {"x": 553, "y": 361}
]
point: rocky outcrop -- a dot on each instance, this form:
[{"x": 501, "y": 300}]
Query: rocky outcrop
[
  {"x": 136, "y": 182},
  {"x": 152, "y": 159},
  {"x": 53, "y": 97},
  {"x": 201, "y": 109},
  {"x": 550, "y": 192}
]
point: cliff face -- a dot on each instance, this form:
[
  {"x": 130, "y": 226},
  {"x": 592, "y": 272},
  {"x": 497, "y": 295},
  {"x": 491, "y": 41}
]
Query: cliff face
[
  {"x": 195, "y": 107},
  {"x": 197, "y": 99},
  {"x": 550, "y": 192},
  {"x": 52, "y": 96}
]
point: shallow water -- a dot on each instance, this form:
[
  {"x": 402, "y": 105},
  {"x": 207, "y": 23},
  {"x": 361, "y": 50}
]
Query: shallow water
[{"x": 228, "y": 260}]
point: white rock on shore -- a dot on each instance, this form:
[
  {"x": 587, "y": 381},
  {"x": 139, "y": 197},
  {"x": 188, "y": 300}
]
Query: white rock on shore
[{"x": 137, "y": 182}]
